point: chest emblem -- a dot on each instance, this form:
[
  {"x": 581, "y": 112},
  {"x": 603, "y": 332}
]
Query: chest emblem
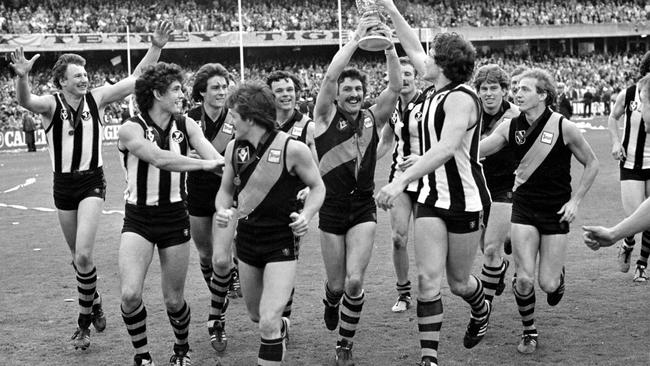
[{"x": 178, "y": 137}]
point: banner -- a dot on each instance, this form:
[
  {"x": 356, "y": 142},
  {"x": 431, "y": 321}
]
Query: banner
[
  {"x": 15, "y": 139},
  {"x": 213, "y": 39}
]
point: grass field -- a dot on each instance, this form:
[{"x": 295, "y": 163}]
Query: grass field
[{"x": 602, "y": 320}]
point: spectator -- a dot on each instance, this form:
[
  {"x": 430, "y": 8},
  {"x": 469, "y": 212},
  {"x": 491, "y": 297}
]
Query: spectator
[{"x": 29, "y": 128}]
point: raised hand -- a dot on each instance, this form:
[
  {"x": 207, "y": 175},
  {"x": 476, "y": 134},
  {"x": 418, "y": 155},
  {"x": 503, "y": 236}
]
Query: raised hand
[
  {"x": 161, "y": 34},
  {"x": 20, "y": 64}
]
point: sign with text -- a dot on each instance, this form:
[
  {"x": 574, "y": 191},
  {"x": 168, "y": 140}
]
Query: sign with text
[{"x": 15, "y": 139}]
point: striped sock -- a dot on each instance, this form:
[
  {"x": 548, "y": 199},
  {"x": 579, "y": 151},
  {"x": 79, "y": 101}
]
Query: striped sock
[
  {"x": 629, "y": 241},
  {"x": 490, "y": 279},
  {"x": 526, "y": 304},
  {"x": 350, "y": 314},
  {"x": 206, "y": 271},
  {"x": 219, "y": 289},
  {"x": 645, "y": 249},
  {"x": 136, "y": 325},
  {"x": 405, "y": 289},
  {"x": 430, "y": 316},
  {"x": 477, "y": 301},
  {"x": 86, "y": 287},
  {"x": 180, "y": 321},
  {"x": 287, "y": 308},
  {"x": 271, "y": 352}
]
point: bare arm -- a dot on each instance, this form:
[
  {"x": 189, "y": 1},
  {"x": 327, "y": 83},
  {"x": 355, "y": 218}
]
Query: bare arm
[
  {"x": 311, "y": 143},
  {"x": 386, "y": 141},
  {"x": 324, "y": 106},
  {"x": 300, "y": 162},
  {"x": 197, "y": 139},
  {"x": 111, "y": 93},
  {"x": 496, "y": 141},
  {"x": 43, "y": 105},
  {"x": 385, "y": 103},
  {"x": 612, "y": 124},
  {"x": 131, "y": 137},
  {"x": 224, "y": 199},
  {"x": 407, "y": 37},
  {"x": 583, "y": 153}
]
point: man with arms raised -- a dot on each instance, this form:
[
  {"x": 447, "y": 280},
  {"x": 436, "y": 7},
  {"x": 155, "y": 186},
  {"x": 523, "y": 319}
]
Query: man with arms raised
[
  {"x": 72, "y": 119},
  {"x": 346, "y": 142}
]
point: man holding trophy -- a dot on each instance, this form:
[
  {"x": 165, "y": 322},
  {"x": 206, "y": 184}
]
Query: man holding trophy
[{"x": 346, "y": 142}]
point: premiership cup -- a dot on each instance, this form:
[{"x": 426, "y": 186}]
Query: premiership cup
[{"x": 374, "y": 40}]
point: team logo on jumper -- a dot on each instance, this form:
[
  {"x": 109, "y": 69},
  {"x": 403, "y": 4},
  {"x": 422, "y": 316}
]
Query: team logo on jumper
[
  {"x": 296, "y": 131},
  {"x": 64, "y": 114},
  {"x": 520, "y": 137},
  {"x": 547, "y": 137},
  {"x": 274, "y": 156},
  {"x": 367, "y": 123},
  {"x": 227, "y": 128},
  {"x": 243, "y": 154},
  {"x": 393, "y": 118},
  {"x": 85, "y": 115},
  {"x": 342, "y": 125},
  {"x": 178, "y": 136},
  {"x": 150, "y": 135},
  {"x": 418, "y": 116}
]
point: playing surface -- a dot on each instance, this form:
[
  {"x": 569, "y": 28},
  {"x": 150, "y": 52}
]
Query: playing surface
[{"x": 602, "y": 320}]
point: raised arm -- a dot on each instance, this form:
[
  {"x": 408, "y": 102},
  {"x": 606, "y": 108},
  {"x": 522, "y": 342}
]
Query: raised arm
[
  {"x": 618, "y": 153},
  {"x": 385, "y": 103},
  {"x": 324, "y": 106},
  {"x": 111, "y": 93},
  {"x": 407, "y": 37},
  {"x": 43, "y": 105},
  {"x": 131, "y": 137}
]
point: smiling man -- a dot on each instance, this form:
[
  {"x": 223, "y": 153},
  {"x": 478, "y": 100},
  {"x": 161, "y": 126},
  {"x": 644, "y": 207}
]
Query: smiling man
[
  {"x": 154, "y": 147},
  {"x": 346, "y": 142},
  {"x": 72, "y": 119},
  {"x": 543, "y": 205},
  {"x": 210, "y": 87},
  {"x": 492, "y": 83},
  {"x": 265, "y": 169}
]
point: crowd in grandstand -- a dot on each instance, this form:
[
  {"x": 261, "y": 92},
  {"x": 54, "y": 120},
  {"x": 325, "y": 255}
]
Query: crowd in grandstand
[
  {"x": 110, "y": 16},
  {"x": 594, "y": 77}
]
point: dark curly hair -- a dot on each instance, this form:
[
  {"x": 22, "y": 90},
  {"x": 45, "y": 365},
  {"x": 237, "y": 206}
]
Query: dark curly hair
[
  {"x": 156, "y": 77},
  {"x": 644, "y": 65},
  {"x": 354, "y": 74},
  {"x": 281, "y": 75},
  {"x": 545, "y": 84},
  {"x": 455, "y": 56},
  {"x": 491, "y": 73},
  {"x": 254, "y": 100},
  {"x": 61, "y": 66},
  {"x": 202, "y": 76}
]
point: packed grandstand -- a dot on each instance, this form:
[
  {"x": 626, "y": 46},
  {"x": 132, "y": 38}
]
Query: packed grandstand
[{"x": 594, "y": 72}]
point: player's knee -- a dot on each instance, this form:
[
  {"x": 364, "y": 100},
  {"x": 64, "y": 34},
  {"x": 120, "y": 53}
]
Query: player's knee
[
  {"x": 174, "y": 301},
  {"x": 221, "y": 264},
  {"x": 524, "y": 284},
  {"x": 354, "y": 285},
  {"x": 269, "y": 325},
  {"x": 131, "y": 298},
  {"x": 399, "y": 240},
  {"x": 549, "y": 285},
  {"x": 492, "y": 249},
  {"x": 428, "y": 285},
  {"x": 459, "y": 288},
  {"x": 83, "y": 261}
]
